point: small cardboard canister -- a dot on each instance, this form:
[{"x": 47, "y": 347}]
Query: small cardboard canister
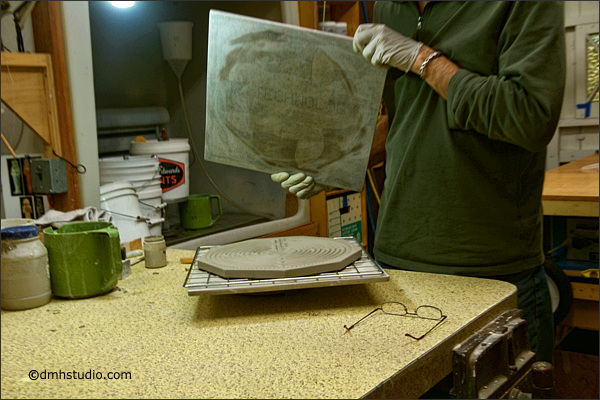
[{"x": 155, "y": 251}]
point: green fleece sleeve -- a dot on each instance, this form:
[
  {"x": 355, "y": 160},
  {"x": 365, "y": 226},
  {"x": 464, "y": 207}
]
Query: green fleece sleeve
[{"x": 521, "y": 104}]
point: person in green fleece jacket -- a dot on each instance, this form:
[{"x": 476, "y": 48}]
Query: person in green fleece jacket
[{"x": 474, "y": 94}]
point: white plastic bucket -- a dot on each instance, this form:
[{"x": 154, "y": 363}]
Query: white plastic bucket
[
  {"x": 118, "y": 162},
  {"x": 138, "y": 184},
  {"x": 154, "y": 184},
  {"x": 136, "y": 172},
  {"x": 151, "y": 204},
  {"x": 141, "y": 171},
  {"x": 121, "y": 201},
  {"x": 173, "y": 156},
  {"x": 129, "y": 166}
]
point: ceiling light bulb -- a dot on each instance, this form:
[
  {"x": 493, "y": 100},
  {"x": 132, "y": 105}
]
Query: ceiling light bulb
[{"x": 122, "y": 4}]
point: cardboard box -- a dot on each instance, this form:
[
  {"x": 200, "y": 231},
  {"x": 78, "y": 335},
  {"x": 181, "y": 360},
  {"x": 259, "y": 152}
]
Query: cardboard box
[{"x": 344, "y": 216}]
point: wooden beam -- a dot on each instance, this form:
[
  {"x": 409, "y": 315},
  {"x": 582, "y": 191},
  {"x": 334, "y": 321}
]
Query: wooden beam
[
  {"x": 364, "y": 217},
  {"x": 583, "y": 315},
  {"x": 318, "y": 213},
  {"x": 307, "y": 14},
  {"x": 570, "y": 208},
  {"x": 48, "y": 37},
  {"x": 585, "y": 291},
  {"x": 349, "y": 13}
]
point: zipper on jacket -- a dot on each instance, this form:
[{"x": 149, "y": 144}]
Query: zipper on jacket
[
  {"x": 419, "y": 28},
  {"x": 421, "y": 19}
]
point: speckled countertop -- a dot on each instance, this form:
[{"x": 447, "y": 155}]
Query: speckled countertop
[{"x": 291, "y": 344}]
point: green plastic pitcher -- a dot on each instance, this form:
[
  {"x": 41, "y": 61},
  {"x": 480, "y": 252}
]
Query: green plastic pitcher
[{"x": 84, "y": 258}]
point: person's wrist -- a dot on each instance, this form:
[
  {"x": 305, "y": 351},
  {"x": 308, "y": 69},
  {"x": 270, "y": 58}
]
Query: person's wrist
[{"x": 425, "y": 52}]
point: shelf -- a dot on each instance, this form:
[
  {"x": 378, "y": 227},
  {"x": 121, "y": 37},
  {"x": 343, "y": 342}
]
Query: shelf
[{"x": 226, "y": 222}]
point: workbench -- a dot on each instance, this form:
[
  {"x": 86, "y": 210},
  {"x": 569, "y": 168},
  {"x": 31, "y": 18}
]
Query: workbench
[
  {"x": 166, "y": 344},
  {"x": 571, "y": 190}
]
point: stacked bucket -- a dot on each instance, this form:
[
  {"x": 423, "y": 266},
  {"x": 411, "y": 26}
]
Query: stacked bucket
[{"x": 131, "y": 191}]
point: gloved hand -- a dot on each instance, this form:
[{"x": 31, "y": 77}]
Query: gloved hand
[
  {"x": 384, "y": 46},
  {"x": 301, "y": 185}
]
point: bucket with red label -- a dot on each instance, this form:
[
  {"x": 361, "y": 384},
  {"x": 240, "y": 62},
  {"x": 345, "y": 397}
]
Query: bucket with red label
[{"x": 173, "y": 158}]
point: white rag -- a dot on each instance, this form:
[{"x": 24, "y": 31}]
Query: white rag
[{"x": 58, "y": 218}]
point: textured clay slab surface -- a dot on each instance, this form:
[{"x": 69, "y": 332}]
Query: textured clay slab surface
[{"x": 284, "y": 257}]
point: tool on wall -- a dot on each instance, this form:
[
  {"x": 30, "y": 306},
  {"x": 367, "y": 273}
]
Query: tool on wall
[{"x": 8, "y": 146}]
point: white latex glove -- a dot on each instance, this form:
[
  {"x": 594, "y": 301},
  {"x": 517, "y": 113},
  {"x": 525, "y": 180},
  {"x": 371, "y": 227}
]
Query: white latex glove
[
  {"x": 303, "y": 186},
  {"x": 384, "y": 46}
]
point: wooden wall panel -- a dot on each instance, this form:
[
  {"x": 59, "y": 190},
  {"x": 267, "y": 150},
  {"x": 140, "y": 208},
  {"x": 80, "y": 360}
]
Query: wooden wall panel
[{"x": 48, "y": 36}]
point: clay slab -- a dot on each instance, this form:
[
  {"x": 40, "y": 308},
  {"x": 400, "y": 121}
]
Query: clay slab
[
  {"x": 279, "y": 257},
  {"x": 285, "y": 98},
  {"x": 364, "y": 270}
]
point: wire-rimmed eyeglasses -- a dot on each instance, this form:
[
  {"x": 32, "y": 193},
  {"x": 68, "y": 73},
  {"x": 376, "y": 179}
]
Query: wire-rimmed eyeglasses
[{"x": 399, "y": 309}]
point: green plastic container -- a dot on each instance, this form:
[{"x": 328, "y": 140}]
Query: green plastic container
[
  {"x": 197, "y": 212},
  {"x": 84, "y": 258}
]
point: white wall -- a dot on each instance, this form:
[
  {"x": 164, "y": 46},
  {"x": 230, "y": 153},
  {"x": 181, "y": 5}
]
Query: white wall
[{"x": 76, "y": 30}]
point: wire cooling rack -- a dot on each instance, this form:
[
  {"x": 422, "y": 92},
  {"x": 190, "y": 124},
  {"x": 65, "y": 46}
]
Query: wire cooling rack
[{"x": 364, "y": 270}]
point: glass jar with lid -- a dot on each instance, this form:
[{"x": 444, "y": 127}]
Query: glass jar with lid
[{"x": 25, "y": 277}]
